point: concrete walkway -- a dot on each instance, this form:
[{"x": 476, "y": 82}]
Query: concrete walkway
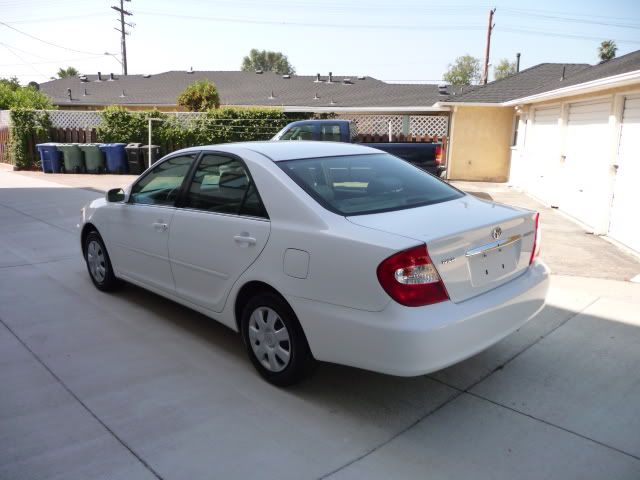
[{"x": 129, "y": 385}]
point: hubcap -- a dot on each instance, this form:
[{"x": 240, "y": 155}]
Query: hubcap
[
  {"x": 96, "y": 261},
  {"x": 269, "y": 339}
]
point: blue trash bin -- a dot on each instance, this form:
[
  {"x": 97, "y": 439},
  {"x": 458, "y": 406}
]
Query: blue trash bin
[
  {"x": 116, "y": 157},
  {"x": 49, "y": 157}
]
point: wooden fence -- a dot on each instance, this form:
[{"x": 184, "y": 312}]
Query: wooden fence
[{"x": 80, "y": 135}]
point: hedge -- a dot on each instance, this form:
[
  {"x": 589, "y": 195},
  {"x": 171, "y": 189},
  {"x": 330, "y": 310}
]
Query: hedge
[
  {"x": 27, "y": 126},
  {"x": 216, "y": 126}
]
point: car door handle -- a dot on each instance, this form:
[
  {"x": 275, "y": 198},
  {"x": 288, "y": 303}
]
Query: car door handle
[
  {"x": 245, "y": 239},
  {"x": 160, "y": 227}
]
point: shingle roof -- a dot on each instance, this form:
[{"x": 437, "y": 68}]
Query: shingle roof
[
  {"x": 242, "y": 88},
  {"x": 546, "y": 77}
]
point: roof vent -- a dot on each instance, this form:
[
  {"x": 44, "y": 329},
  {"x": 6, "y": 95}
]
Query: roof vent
[
  {"x": 146, "y": 75},
  {"x": 317, "y": 80},
  {"x": 333, "y": 102},
  {"x": 122, "y": 95},
  {"x": 99, "y": 77},
  {"x": 286, "y": 76},
  {"x": 361, "y": 77},
  {"x": 272, "y": 96},
  {"x": 69, "y": 94},
  {"x": 190, "y": 70},
  {"x": 316, "y": 97},
  {"x": 83, "y": 78},
  {"x": 564, "y": 67},
  {"x": 259, "y": 71},
  {"x": 85, "y": 93},
  {"x": 347, "y": 81},
  {"x": 111, "y": 77},
  {"x": 330, "y": 78},
  {"x": 442, "y": 89}
]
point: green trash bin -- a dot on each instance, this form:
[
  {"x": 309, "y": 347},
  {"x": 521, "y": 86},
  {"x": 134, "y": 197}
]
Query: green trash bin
[
  {"x": 93, "y": 158},
  {"x": 72, "y": 156}
]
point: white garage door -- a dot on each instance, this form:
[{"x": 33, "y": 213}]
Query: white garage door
[
  {"x": 543, "y": 153},
  {"x": 586, "y": 169},
  {"x": 625, "y": 211}
]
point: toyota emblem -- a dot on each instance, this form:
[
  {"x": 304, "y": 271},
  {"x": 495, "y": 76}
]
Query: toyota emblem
[{"x": 496, "y": 233}]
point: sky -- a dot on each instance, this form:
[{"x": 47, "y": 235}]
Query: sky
[{"x": 402, "y": 40}]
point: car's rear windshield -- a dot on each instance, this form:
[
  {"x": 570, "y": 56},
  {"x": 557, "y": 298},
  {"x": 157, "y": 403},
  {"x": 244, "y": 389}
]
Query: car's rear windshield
[{"x": 364, "y": 184}]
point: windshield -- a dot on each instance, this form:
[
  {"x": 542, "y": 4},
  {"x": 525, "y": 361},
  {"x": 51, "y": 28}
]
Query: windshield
[{"x": 362, "y": 184}]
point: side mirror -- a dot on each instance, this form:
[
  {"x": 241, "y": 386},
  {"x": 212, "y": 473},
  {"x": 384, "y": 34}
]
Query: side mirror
[{"x": 115, "y": 195}]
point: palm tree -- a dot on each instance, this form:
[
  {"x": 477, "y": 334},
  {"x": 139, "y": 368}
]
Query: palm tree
[{"x": 607, "y": 50}]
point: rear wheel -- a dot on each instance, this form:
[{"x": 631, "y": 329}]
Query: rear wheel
[
  {"x": 98, "y": 263},
  {"x": 275, "y": 341}
]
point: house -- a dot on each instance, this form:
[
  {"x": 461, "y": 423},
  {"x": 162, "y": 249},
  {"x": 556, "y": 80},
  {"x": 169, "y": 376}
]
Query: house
[
  {"x": 377, "y": 106},
  {"x": 569, "y": 134}
]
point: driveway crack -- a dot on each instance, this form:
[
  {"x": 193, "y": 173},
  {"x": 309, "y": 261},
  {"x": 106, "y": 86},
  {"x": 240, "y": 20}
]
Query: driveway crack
[{"x": 84, "y": 405}]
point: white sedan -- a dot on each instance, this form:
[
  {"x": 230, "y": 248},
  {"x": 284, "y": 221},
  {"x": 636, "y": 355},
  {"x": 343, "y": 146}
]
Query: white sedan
[{"x": 322, "y": 251}]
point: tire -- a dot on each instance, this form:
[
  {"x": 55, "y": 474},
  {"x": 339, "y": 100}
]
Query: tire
[
  {"x": 98, "y": 263},
  {"x": 275, "y": 341}
]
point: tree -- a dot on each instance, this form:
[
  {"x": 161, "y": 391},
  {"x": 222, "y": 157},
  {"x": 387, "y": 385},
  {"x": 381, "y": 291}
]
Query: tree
[
  {"x": 200, "y": 96},
  {"x": 12, "y": 83},
  {"x": 67, "y": 72},
  {"x": 607, "y": 50},
  {"x": 267, "y": 61},
  {"x": 12, "y": 95},
  {"x": 504, "y": 69},
  {"x": 464, "y": 71}
]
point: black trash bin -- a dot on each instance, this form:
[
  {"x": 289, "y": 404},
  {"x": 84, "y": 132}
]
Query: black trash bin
[
  {"x": 135, "y": 158},
  {"x": 155, "y": 154}
]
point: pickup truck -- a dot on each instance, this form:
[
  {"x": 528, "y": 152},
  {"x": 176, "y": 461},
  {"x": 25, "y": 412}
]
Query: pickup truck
[{"x": 428, "y": 156}]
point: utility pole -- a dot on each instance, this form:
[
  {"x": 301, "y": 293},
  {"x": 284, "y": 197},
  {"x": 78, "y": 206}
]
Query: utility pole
[
  {"x": 123, "y": 33},
  {"x": 490, "y": 27}
]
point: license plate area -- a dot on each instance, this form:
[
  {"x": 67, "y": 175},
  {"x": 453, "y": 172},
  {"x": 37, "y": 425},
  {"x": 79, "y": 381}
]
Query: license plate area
[{"x": 495, "y": 262}]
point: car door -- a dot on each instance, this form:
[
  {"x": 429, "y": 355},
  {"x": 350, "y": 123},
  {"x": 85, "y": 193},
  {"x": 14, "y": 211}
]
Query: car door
[
  {"x": 139, "y": 229},
  {"x": 217, "y": 232}
]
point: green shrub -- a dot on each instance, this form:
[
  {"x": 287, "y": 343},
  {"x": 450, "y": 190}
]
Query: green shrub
[
  {"x": 200, "y": 96},
  {"x": 27, "y": 124},
  {"x": 214, "y": 126}
]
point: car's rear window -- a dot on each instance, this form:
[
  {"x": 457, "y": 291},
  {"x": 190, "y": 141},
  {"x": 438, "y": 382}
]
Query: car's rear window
[{"x": 363, "y": 184}]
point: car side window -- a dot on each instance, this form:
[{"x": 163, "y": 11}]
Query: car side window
[
  {"x": 222, "y": 184},
  {"x": 299, "y": 132},
  {"x": 330, "y": 132},
  {"x": 162, "y": 184}
]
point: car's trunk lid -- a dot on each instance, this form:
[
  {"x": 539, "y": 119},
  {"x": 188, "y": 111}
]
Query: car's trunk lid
[{"x": 461, "y": 240}]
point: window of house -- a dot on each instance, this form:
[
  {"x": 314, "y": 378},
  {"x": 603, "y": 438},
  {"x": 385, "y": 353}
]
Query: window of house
[{"x": 516, "y": 124}]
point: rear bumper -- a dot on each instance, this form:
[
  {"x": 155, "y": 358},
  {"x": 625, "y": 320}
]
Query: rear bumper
[{"x": 409, "y": 341}]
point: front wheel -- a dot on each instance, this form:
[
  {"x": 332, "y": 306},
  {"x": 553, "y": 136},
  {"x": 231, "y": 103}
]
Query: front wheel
[
  {"x": 98, "y": 263},
  {"x": 275, "y": 341}
]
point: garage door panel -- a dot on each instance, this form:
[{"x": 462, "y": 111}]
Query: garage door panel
[
  {"x": 625, "y": 210},
  {"x": 543, "y": 153},
  {"x": 585, "y": 171}
]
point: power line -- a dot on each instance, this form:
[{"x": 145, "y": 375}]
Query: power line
[
  {"x": 48, "y": 43},
  {"x": 513, "y": 12},
  {"x": 52, "y": 19},
  {"x": 561, "y": 35},
  {"x": 308, "y": 24},
  {"x": 24, "y": 62}
]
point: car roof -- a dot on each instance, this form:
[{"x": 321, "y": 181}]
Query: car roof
[{"x": 289, "y": 150}]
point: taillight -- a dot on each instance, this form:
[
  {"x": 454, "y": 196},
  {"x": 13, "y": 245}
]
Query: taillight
[
  {"x": 438, "y": 154},
  {"x": 535, "y": 251},
  {"x": 411, "y": 279}
]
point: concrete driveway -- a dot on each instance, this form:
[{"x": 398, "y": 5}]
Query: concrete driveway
[{"x": 129, "y": 385}]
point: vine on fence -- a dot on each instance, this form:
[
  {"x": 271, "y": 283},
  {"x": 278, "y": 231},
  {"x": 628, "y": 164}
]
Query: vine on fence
[
  {"x": 27, "y": 126},
  {"x": 216, "y": 126}
]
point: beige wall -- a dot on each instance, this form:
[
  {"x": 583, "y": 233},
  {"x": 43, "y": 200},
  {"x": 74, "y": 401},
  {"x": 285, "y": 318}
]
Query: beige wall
[{"x": 480, "y": 141}]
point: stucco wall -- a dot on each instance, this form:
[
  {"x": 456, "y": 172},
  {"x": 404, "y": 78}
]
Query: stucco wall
[{"x": 480, "y": 141}]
